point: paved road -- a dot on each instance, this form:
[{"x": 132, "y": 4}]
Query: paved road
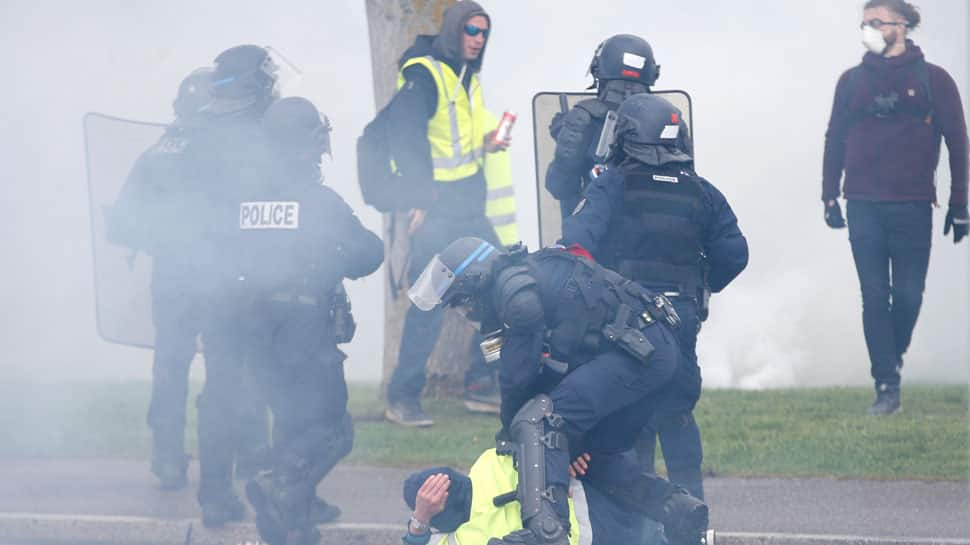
[{"x": 891, "y": 509}]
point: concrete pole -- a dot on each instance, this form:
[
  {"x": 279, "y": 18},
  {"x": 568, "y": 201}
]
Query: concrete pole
[{"x": 393, "y": 25}]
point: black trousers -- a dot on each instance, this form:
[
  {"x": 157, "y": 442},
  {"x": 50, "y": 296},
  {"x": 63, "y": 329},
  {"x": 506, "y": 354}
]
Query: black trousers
[
  {"x": 673, "y": 419},
  {"x": 292, "y": 349},
  {"x": 891, "y": 248}
]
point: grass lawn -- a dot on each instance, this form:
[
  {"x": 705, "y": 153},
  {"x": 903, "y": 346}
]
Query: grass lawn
[{"x": 819, "y": 432}]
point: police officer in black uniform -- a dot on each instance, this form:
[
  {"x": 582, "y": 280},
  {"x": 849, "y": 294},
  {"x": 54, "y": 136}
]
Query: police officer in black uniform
[
  {"x": 296, "y": 240},
  {"x": 584, "y": 355},
  {"x": 139, "y": 219},
  {"x": 622, "y": 65},
  {"x": 652, "y": 219},
  {"x": 227, "y": 155}
]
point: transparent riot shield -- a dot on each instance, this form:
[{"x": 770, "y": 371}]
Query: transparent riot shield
[
  {"x": 122, "y": 277},
  {"x": 547, "y": 104}
]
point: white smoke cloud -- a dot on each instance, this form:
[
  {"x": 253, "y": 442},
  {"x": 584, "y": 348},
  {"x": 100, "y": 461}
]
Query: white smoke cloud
[{"x": 761, "y": 75}]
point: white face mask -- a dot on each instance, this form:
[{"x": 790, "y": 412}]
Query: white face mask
[{"x": 873, "y": 40}]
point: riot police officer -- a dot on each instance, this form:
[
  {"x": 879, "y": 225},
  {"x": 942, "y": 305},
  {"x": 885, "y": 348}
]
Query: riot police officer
[
  {"x": 622, "y": 65},
  {"x": 226, "y": 155},
  {"x": 584, "y": 355},
  {"x": 651, "y": 218},
  {"x": 139, "y": 219},
  {"x": 296, "y": 240}
]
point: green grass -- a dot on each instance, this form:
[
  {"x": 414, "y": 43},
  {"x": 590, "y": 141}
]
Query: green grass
[{"x": 819, "y": 432}]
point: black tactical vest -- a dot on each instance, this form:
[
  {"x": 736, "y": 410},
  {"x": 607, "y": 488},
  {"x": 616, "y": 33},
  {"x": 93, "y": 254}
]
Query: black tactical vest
[
  {"x": 593, "y": 305},
  {"x": 657, "y": 238}
]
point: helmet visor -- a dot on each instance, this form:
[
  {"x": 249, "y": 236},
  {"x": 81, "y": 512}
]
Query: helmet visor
[{"x": 430, "y": 287}]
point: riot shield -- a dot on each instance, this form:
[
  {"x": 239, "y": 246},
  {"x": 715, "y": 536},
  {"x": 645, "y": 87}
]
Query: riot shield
[
  {"x": 122, "y": 277},
  {"x": 544, "y": 106}
]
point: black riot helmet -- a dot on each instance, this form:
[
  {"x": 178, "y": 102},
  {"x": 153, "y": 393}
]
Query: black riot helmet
[
  {"x": 651, "y": 130},
  {"x": 457, "y": 275},
  {"x": 624, "y": 57},
  {"x": 244, "y": 80},
  {"x": 295, "y": 127},
  {"x": 193, "y": 96}
]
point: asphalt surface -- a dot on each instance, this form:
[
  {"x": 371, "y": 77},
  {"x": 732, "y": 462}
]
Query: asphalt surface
[{"x": 372, "y": 495}]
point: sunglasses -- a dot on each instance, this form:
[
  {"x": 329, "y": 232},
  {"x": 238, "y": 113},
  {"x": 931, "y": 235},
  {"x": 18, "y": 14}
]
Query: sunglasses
[
  {"x": 879, "y": 23},
  {"x": 473, "y": 31}
]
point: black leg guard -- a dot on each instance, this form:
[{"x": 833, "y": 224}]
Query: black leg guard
[{"x": 536, "y": 429}]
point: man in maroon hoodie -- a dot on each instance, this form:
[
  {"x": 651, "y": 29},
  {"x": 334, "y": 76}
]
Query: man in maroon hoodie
[{"x": 884, "y": 133}]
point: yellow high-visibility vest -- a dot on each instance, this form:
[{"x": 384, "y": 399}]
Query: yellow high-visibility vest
[
  {"x": 493, "y": 475},
  {"x": 456, "y": 133}
]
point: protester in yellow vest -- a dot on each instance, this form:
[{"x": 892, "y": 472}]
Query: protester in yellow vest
[
  {"x": 463, "y": 508},
  {"x": 442, "y": 139}
]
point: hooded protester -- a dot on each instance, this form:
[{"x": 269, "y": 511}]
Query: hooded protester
[
  {"x": 442, "y": 141},
  {"x": 884, "y": 134}
]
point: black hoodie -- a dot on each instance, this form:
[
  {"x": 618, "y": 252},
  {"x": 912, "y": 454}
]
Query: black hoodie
[{"x": 415, "y": 104}]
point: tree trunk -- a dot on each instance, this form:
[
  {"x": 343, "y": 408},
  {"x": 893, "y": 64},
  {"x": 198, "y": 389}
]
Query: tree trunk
[{"x": 393, "y": 25}]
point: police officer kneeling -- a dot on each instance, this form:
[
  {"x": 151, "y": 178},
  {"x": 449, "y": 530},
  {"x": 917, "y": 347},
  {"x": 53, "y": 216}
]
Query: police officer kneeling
[
  {"x": 296, "y": 240},
  {"x": 584, "y": 355}
]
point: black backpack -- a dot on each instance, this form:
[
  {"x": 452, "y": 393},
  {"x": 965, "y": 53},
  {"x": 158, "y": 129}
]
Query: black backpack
[{"x": 379, "y": 184}]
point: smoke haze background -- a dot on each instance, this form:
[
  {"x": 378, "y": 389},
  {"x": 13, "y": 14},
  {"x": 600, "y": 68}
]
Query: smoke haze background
[{"x": 761, "y": 74}]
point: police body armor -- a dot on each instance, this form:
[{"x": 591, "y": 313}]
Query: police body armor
[
  {"x": 593, "y": 306},
  {"x": 571, "y": 135},
  {"x": 282, "y": 259},
  {"x": 657, "y": 238}
]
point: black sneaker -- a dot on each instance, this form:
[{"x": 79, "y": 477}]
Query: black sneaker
[
  {"x": 408, "y": 413},
  {"x": 171, "y": 472},
  {"x": 482, "y": 396},
  {"x": 216, "y": 512},
  {"x": 887, "y": 401}
]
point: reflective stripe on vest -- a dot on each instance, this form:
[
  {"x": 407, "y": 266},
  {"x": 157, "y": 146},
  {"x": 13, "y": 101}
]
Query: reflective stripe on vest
[
  {"x": 500, "y": 196},
  {"x": 457, "y": 129}
]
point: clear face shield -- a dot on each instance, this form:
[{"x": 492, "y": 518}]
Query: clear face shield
[
  {"x": 286, "y": 74},
  {"x": 430, "y": 287}
]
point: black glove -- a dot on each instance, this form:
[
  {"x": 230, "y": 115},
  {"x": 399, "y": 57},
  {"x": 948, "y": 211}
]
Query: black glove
[
  {"x": 833, "y": 215},
  {"x": 958, "y": 218}
]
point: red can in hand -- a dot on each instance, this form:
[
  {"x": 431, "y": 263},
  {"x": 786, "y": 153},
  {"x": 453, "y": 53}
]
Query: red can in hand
[{"x": 504, "y": 130}]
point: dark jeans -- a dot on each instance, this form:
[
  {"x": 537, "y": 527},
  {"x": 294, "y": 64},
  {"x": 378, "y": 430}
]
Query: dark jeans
[
  {"x": 891, "y": 247},
  {"x": 673, "y": 420},
  {"x": 422, "y": 329}
]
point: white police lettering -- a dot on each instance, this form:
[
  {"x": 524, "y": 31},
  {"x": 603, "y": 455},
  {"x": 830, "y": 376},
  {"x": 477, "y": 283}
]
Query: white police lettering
[
  {"x": 633, "y": 60},
  {"x": 269, "y": 215},
  {"x": 668, "y": 179},
  {"x": 669, "y": 132}
]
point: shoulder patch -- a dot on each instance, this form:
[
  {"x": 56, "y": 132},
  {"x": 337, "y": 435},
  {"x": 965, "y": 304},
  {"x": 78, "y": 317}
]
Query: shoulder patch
[
  {"x": 269, "y": 215},
  {"x": 667, "y": 179}
]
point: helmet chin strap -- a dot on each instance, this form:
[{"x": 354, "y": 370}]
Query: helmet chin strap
[{"x": 613, "y": 92}]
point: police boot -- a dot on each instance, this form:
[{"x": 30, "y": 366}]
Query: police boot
[
  {"x": 282, "y": 499},
  {"x": 322, "y": 512},
  {"x": 545, "y": 511},
  {"x": 169, "y": 461},
  {"x": 686, "y": 519},
  {"x": 220, "y": 507}
]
